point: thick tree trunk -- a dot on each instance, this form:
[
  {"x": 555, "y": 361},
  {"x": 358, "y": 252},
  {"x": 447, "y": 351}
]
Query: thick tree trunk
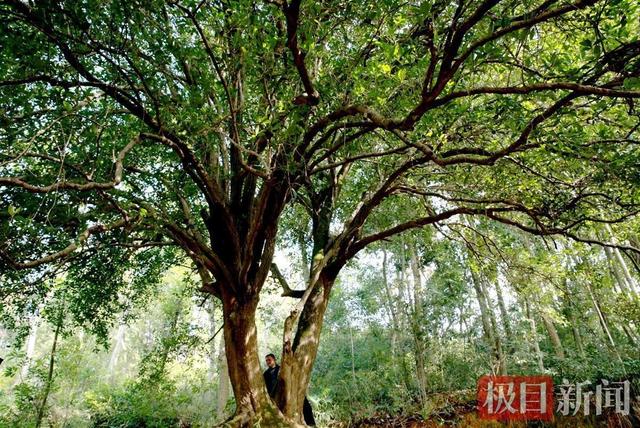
[
  {"x": 298, "y": 357},
  {"x": 253, "y": 405}
]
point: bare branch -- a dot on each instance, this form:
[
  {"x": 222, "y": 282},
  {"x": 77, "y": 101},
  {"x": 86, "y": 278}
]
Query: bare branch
[
  {"x": 292, "y": 15},
  {"x": 69, "y": 185},
  {"x": 287, "y": 291},
  {"x": 67, "y": 251}
]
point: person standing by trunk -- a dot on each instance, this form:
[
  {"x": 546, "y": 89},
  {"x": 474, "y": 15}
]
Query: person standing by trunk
[{"x": 271, "y": 380}]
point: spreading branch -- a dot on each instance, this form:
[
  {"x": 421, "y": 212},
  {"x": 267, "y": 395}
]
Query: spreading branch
[{"x": 287, "y": 291}]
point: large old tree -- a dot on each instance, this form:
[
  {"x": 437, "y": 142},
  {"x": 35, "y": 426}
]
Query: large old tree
[{"x": 131, "y": 127}]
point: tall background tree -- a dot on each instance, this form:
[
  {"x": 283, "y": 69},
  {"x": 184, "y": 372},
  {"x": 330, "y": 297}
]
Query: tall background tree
[{"x": 132, "y": 130}]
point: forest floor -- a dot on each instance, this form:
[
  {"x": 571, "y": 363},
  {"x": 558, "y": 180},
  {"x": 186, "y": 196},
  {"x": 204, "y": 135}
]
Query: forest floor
[
  {"x": 471, "y": 420},
  {"x": 458, "y": 412}
]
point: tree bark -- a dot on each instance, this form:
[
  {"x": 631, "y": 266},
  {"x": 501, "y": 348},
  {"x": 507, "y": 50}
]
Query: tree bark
[
  {"x": 615, "y": 271},
  {"x": 118, "y": 347},
  {"x": 223, "y": 380},
  {"x": 391, "y": 307},
  {"x": 626, "y": 274},
  {"x": 569, "y": 301},
  {"x": 534, "y": 338},
  {"x": 504, "y": 315},
  {"x": 489, "y": 325},
  {"x": 253, "y": 404},
  {"x": 47, "y": 386},
  {"x": 553, "y": 335},
  {"x": 416, "y": 324},
  {"x": 31, "y": 347},
  {"x": 298, "y": 357}
]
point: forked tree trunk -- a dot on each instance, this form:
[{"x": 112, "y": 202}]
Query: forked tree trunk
[{"x": 298, "y": 357}]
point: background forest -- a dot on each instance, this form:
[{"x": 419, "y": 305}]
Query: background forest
[{"x": 413, "y": 325}]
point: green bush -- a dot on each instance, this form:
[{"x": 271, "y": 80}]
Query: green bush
[{"x": 136, "y": 405}]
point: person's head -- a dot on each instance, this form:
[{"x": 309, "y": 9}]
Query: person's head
[{"x": 271, "y": 360}]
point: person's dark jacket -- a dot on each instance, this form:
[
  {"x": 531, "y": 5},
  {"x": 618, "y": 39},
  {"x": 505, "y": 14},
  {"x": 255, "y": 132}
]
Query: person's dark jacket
[{"x": 271, "y": 380}]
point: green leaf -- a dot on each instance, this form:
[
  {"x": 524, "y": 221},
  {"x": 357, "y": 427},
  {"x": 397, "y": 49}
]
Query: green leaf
[{"x": 631, "y": 83}]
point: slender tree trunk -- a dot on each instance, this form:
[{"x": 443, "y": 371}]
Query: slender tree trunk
[
  {"x": 4, "y": 335},
  {"x": 626, "y": 274},
  {"x": 504, "y": 315},
  {"x": 168, "y": 333},
  {"x": 353, "y": 356},
  {"x": 31, "y": 346},
  {"x": 391, "y": 307},
  {"x": 553, "y": 335},
  {"x": 211, "y": 311},
  {"x": 603, "y": 322},
  {"x": 630, "y": 335},
  {"x": 223, "y": 380},
  {"x": 577, "y": 337},
  {"x": 569, "y": 300},
  {"x": 218, "y": 367},
  {"x": 534, "y": 337},
  {"x": 416, "y": 325},
  {"x": 502, "y": 358},
  {"x": 302, "y": 243},
  {"x": 404, "y": 301},
  {"x": 615, "y": 271},
  {"x": 489, "y": 324},
  {"x": 47, "y": 386},
  {"x": 118, "y": 347},
  {"x": 633, "y": 257}
]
